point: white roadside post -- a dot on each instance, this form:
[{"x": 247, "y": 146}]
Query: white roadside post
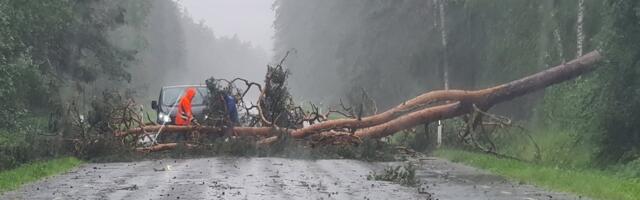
[{"x": 439, "y": 137}]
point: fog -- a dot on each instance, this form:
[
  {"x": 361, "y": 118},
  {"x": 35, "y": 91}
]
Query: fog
[
  {"x": 188, "y": 42},
  {"x": 226, "y": 39},
  {"x": 250, "y": 20},
  {"x": 242, "y": 43}
]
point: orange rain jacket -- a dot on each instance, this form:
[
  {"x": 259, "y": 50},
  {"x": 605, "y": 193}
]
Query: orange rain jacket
[{"x": 184, "y": 115}]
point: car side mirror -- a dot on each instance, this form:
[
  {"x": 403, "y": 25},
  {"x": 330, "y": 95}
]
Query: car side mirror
[{"x": 154, "y": 105}]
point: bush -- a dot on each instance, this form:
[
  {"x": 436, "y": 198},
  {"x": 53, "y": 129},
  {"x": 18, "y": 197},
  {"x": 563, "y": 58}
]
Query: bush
[{"x": 19, "y": 147}]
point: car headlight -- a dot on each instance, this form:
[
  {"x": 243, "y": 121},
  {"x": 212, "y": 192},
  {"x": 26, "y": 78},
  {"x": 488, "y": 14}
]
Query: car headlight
[{"x": 164, "y": 118}]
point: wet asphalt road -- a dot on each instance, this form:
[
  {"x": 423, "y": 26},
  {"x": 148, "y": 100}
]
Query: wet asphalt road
[{"x": 273, "y": 178}]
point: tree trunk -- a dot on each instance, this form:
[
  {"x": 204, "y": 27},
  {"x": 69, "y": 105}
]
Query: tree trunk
[
  {"x": 239, "y": 131},
  {"x": 445, "y": 62},
  {"x": 443, "y": 33},
  {"x": 161, "y": 147},
  {"x": 579, "y": 29}
]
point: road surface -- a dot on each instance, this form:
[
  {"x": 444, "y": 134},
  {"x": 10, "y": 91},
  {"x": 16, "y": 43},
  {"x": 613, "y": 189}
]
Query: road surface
[{"x": 273, "y": 178}]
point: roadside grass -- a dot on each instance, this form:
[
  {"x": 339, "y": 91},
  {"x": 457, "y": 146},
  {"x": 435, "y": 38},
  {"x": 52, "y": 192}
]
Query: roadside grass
[
  {"x": 584, "y": 182},
  {"x": 562, "y": 148},
  {"x": 14, "y": 178}
]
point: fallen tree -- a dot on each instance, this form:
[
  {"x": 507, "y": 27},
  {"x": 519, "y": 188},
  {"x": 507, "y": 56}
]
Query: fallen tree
[
  {"x": 464, "y": 101},
  {"x": 237, "y": 131},
  {"x": 428, "y": 107},
  {"x": 161, "y": 147}
]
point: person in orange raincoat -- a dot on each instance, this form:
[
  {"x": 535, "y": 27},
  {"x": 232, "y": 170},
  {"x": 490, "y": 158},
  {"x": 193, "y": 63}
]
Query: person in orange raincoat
[{"x": 184, "y": 115}]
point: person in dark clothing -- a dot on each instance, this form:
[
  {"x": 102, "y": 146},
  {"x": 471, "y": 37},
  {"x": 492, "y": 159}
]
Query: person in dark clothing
[
  {"x": 231, "y": 108},
  {"x": 232, "y": 112}
]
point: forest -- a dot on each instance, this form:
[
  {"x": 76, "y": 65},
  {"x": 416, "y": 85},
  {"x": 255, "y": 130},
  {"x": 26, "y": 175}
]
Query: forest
[{"x": 67, "y": 66}]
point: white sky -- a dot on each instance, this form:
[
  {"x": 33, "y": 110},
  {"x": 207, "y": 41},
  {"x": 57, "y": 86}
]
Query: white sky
[{"x": 251, "y": 20}]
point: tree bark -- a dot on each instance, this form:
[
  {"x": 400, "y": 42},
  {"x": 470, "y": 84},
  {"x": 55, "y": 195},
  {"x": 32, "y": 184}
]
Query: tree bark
[
  {"x": 161, "y": 147},
  {"x": 445, "y": 53},
  {"x": 239, "y": 131},
  {"x": 168, "y": 129},
  {"x": 579, "y": 29}
]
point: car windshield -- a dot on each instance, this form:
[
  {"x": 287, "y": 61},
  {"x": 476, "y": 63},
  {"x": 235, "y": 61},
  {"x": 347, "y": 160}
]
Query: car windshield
[{"x": 170, "y": 95}]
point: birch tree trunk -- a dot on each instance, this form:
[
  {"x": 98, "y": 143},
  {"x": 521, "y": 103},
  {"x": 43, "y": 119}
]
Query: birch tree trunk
[
  {"x": 445, "y": 60},
  {"x": 443, "y": 31},
  {"x": 579, "y": 29}
]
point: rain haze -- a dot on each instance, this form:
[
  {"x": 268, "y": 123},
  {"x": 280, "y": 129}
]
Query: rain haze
[
  {"x": 250, "y": 20},
  {"x": 376, "y": 99},
  {"x": 226, "y": 39}
]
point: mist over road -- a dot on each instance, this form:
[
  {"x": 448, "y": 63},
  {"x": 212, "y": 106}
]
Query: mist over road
[{"x": 272, "y": 178}]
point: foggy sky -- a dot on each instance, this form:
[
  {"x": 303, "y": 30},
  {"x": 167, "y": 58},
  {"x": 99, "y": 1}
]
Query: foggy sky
[{"x": 251, "y": 20}]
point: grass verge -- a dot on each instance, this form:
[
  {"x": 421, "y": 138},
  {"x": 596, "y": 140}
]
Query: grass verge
[
  {"x": 590, "y": 183},
  {"x": 14, "y": 178}
]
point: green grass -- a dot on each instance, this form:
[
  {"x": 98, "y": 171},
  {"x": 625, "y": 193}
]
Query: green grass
[
  {"x": 563, "y": 148},
  {"x": 14, "y": 178},
  {"x": 591, "y": 183}
]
